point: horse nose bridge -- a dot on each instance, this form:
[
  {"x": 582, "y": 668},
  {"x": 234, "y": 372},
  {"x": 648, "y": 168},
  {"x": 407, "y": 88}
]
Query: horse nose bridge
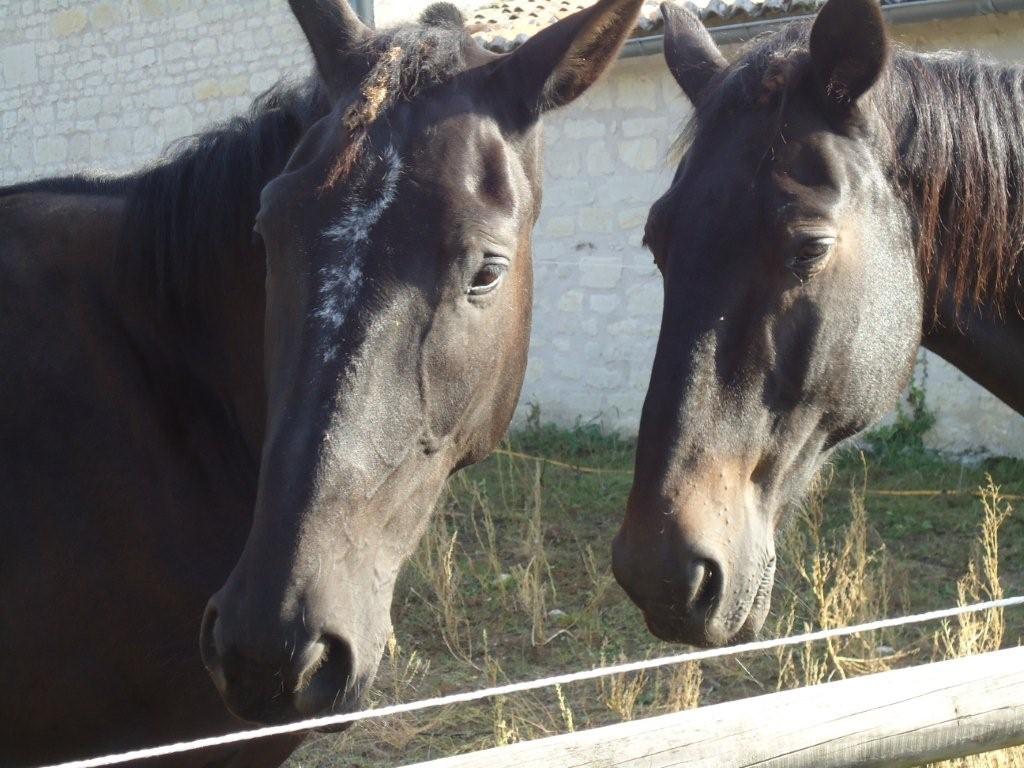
[
  {"x": 695, "y": 496},
  {"x": 347, "y": 410},
  {"x": 267, "y": 593},
  {"x": 333, "y": 580}
]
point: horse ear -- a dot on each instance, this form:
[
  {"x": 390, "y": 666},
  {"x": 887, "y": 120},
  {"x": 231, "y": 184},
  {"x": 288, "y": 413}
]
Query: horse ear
[
  {"x": 333, "y": 31},
  {"x": 691, "y": 54},
  {"x": 849, "y": 48},
  {"x": 561, "y": 61}
]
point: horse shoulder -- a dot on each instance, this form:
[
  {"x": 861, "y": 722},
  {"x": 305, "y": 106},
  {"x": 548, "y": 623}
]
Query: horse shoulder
[{"x": 97, "y": 493}]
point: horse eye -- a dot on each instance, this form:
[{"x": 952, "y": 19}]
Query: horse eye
[
  {"x": 488, "y": 277},
  {"x": 811, "y": 256},
  {"x": 817, "y": 248}
]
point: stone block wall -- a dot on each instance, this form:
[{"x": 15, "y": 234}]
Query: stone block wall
[
  {"x": 599, "y": 295},
  {"x": 106, "y": 85},
  {"x": 102, "y": 84}
]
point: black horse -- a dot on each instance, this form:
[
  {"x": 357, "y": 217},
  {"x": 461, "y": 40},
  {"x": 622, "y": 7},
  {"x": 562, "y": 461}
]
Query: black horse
[
  {"x": 189, "y": 408},
  {"x": 839, "y": 204}
]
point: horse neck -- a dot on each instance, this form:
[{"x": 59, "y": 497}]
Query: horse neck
[
  {"x": 207, "y": 364},
  {"x": 960, "y": 141},
  {"x": 224, "y": 347},
  {"x": 986, "y": 343},
  {"x": 190, "y": 265}
]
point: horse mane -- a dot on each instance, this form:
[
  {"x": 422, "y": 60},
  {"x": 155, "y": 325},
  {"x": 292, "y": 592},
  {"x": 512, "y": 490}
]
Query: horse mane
[
  {"x": 74, "y": 184},
  {"x": 958, "y": 144},
  {"x": 199, "y": 201}
]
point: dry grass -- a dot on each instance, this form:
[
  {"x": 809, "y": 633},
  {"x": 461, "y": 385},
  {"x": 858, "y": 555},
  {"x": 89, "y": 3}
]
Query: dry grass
[
  {"x": 842, "y": 579},
  {"x": 849, "y": 581},
  {"x": 975, "y": 633},
  {"x": 439, "y": 568},
  {"x": 513, "y": 582}
]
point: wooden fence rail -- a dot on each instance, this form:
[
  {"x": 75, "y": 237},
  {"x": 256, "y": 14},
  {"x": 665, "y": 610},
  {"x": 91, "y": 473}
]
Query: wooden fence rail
[{"x": 906, "y": 717}]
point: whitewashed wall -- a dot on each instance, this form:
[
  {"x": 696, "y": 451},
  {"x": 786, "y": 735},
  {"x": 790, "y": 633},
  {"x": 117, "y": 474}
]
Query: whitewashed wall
[
  {"x": 99, "y": 84},
  {"x": 107, "y": 84}
]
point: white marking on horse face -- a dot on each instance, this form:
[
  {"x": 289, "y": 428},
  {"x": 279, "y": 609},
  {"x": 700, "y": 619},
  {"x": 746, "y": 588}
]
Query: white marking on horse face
[
  {"x": 354, "y": 227},
  {"x": 340, "y": 284}
]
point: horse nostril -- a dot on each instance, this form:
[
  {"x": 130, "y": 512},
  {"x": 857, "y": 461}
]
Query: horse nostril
[
  {"x": 328, "y": 679},
  {"x": 336, "y": 663},
  {"x": 705, "y": 583}
]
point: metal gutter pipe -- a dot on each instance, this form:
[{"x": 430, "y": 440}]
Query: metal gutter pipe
[{"x": 364, "y": 10}]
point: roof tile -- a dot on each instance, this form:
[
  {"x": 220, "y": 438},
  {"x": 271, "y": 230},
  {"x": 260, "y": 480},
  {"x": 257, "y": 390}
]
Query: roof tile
[{"x": 506, "y": 24}]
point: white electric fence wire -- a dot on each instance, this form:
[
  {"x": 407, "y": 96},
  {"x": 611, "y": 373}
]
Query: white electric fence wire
[{"x": 530, "y": 685}]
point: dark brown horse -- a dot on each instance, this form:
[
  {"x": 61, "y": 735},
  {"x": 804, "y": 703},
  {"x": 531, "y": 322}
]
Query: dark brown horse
[
  {"x": 839, "y": 204},
  {"x": 187, "y": 409}
]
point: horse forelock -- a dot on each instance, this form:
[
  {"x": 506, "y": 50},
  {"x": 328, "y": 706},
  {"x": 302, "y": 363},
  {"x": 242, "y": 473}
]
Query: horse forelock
[
  {"x": 407, "y": 60},
  {"x": 757, "y": 81}
]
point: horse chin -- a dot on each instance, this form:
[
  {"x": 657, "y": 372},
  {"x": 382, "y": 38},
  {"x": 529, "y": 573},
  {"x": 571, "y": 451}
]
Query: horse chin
[
  {"x": 759, "y": 608},
  {"x": 751, "y": 628},
  {"x": 317, "y": 700},
  {"x": 339, "y": 728},
  {"x": 350, "y": 702},
  {"x": 664, "y": 632}
]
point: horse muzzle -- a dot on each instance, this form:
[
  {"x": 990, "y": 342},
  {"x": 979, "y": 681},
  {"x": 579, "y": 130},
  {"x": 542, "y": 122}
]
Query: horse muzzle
[
  {"x": 702, "y": 571},
  {"x": 279, "y": 682}
]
